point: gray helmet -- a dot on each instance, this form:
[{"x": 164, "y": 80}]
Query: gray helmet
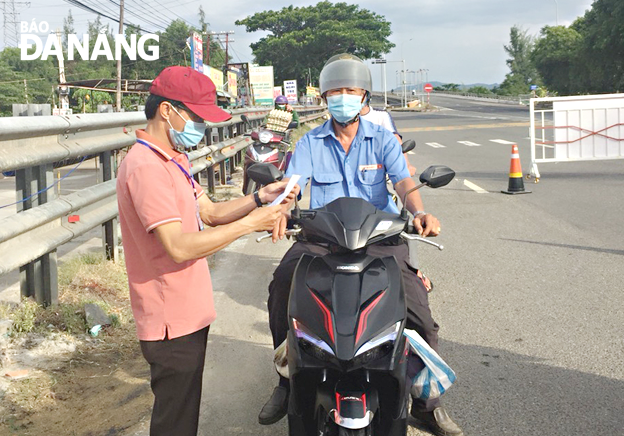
[{"x": 345, "y": 71}]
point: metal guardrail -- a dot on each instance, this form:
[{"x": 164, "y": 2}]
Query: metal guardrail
[
  {"x": 507, "y": 99},
  {"x": 32, "y": 147}
]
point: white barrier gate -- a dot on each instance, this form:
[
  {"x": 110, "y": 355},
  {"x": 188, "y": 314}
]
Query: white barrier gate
[{"x": 582, "y": 128}]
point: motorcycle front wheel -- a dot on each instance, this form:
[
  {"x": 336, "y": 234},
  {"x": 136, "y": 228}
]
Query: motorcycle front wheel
[{"x": 359, "y": 432}]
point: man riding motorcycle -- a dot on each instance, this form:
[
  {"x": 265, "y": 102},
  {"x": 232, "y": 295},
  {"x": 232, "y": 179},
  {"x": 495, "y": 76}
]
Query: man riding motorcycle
[{"x": 349, "y": 157}]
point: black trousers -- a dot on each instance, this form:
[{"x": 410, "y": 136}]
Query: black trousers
[
  {"x": 418, "y": 313},
  {"x": 176, "y": 367}
]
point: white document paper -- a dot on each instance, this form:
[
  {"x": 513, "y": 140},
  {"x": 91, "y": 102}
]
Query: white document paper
[{"x": 289, "y": 187}]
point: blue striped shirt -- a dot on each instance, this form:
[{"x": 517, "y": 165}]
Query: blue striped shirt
[{"x": 374, "y": 152}]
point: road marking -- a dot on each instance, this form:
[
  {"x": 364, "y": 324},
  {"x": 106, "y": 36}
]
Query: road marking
[
  {"x": 502, "y": 141},
  {"x": 474, "y": 187},
  {"x": 469, "y": 143},
  {"x": 411, "y": 152},
  {"x": 435, "y": 145},
  {"x": 465, "y": 127}
]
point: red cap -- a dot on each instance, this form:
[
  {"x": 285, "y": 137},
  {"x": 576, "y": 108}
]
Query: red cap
[{"x": 192, "y": 88}]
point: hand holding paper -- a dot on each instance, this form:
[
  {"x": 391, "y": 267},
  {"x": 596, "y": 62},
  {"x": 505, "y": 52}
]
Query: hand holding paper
[{"x": 289, "y": 187}]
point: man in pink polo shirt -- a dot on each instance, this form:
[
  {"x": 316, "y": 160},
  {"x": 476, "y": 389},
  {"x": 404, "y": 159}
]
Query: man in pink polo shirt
[{"x": 162, "y": 212}]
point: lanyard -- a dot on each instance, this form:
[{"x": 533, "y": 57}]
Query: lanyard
[
  {"x": 188, "y": 176},
  {"x": 186, "y": 173}
]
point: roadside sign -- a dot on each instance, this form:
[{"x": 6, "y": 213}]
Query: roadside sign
[
  {"x": 290, "y": 91},
  {"x": 428, "y": 87},
  {"x": 379, "y": 61}
]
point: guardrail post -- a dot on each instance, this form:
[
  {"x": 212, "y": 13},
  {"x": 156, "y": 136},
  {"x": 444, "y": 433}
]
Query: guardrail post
[
  {"x": 222, "y": 174},
  {"x": 38, "y": 279},
  {"x": 109, "y": 228},
  {"x": 211, "y": 179}
]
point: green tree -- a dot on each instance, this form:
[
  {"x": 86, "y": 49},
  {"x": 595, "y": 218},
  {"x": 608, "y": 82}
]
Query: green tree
[
  {"x": 523, "y": 73},
  {"x": 68, "y": 28},
  {"x": 481, "y": 90},
  {"x": 557, "y": 57},
  {"x": 453, "y": 87},
  {"x": 302, "y": 38},
  {"x": 603, "y": 46},
  {"x": 41, "y": 79}
]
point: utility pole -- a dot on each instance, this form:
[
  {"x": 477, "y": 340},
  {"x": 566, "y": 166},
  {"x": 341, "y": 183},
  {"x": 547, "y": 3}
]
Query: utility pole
[
  {"x": 385, "y": 87},
  {"x": 382, "y": 62},
  {"x": 404, "y": 90},
  {"x": 556, "y": 13},
  {"x": 227, "y": 45},
  {"x": 121, "y": 32},
  {"x": 63, "y": 94}
]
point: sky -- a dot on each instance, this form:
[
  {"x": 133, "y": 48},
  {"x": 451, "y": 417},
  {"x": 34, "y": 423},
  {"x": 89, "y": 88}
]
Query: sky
[{"x": 456, "y": 41}]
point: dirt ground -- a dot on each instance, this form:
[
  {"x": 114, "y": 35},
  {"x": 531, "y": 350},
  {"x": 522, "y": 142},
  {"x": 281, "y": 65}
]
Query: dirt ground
[{"x": 92, "y": 391}]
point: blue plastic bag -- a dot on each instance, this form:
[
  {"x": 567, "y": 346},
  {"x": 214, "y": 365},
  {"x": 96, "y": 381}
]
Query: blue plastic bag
[{"x": 436, "y": 377}]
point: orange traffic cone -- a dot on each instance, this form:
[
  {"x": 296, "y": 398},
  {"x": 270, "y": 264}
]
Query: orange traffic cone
[{"x": 516, "y": 184}]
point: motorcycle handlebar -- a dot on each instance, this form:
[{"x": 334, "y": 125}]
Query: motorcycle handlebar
[
  {"x": 409, "y": 237},
  {"x": 289, "y": 232}
]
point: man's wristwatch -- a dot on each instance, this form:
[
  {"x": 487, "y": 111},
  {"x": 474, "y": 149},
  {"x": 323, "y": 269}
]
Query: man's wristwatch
[{"x": 256, "y": 197}]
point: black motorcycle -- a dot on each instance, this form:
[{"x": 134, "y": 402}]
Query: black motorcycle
[{"x": 347, "y": 356}]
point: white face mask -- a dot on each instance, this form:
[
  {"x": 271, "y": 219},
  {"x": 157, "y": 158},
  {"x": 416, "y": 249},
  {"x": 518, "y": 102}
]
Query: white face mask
[
  {"x": 344, "y": 107},
  {"x": 189, "y": 137}
]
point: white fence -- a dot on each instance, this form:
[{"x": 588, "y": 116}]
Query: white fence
[{"x": 579, "y": 128}]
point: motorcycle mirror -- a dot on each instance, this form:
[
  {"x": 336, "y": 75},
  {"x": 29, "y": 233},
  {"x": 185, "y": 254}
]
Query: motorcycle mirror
[
  {"x": 264, "y": 173},
  {"x": 408, "y": 145},
  {"x": 437, "y": 176},
  {"x": 245, "y": 120},
  {"x": 293, "y": 125}
]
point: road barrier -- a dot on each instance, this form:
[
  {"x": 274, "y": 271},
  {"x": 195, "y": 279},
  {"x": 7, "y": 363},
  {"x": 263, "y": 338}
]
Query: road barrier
[
  {"x": 583, "y": 128},
  {"x": 32, "y": 147}
]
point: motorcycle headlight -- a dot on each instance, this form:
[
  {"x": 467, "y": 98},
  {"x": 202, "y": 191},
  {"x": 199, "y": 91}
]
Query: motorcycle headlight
[
  {"x": 312, "y": 344},
  {"x": 379, "y": 346},
  {"x": 265, "y": 136}
]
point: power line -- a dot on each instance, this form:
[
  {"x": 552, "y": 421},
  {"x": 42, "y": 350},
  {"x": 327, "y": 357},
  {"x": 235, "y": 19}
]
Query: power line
[
  {"x": 11, "y": 30},
  {"x": 182, "y": 18},
  {"x": 131, "y": 12},
  {"x": 115, "y": 12},
  {"x": 86, "y": 7}
]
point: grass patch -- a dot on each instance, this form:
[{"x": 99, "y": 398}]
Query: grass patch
[
  {"x": 84, "y": 279},
  {"x": 298, "y": 133}
]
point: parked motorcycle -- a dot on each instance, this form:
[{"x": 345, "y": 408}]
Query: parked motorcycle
[
  {"x": 347, "y": 356},
  {"x": 268, "y": 146}
]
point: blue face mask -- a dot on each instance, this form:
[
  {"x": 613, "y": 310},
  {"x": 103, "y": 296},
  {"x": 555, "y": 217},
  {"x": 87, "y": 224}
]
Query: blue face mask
[
  {"x": 344, "y": 107},
  {"x": 190, "y": 136}
]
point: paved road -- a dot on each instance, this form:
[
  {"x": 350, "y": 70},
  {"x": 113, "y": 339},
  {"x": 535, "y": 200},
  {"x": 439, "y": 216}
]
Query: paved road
[{"x": 527, "y": 293}]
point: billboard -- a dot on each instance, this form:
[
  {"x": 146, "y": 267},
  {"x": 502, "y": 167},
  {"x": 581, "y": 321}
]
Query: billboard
[
  {"x": 261, "y": 84},
  {"x": 312, "y": 91},
  {"x": 290, "y": 91},
  {"x": 197, "y": 50},
  {"x": 277, "y": 90},
  {"x": 215, "y": 75},
  {"x": 232, "y": 79}
]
